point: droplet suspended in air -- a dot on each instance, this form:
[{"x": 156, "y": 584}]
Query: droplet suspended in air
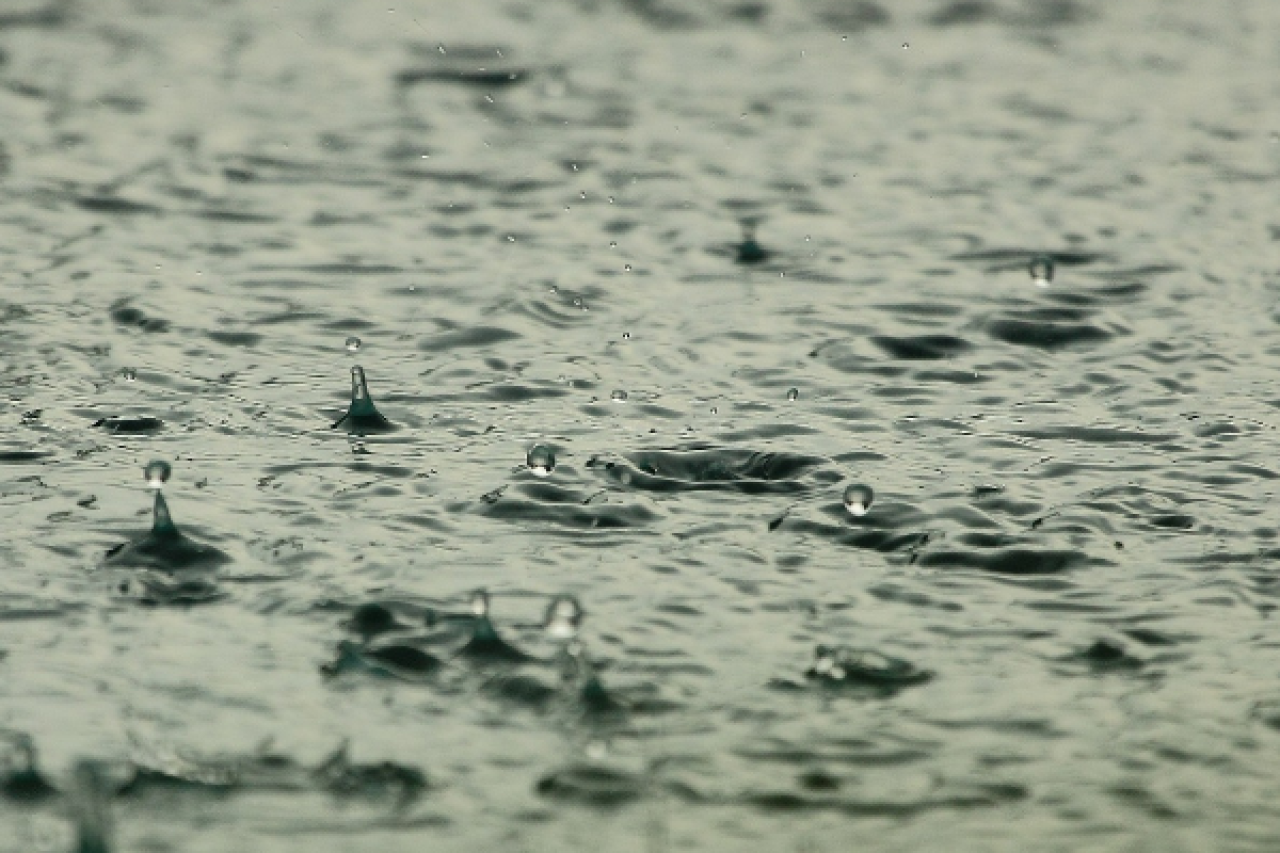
[
  {"x": 157, "y": 473},
  {"x": 353, "y": 344},
  {"x": 858, "y": 498},
  {"x": 619, "y": 396},
  {"x": 793, "y": 395},
  {"x": 564, "y": 617},
  {"x": 541, "y": 460},
  {"x": 1041, "y": 269}
]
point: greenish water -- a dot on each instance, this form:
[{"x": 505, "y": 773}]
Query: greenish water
[{"x": 721, "y": 260}]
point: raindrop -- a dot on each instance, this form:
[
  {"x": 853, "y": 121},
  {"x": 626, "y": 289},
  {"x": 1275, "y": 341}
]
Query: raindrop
[
  {"x": 129, "y": 374},
  {"x": 793, "y": 395},
  {"x": 619, "y": 396},
  {"x": 1041, "y": 269},
  {"x": 541, "y": 460},
  {"x": 564, "y": 617},
  {"x": 858, "y": 498},
  {"x": 157, "y": 473},
  {"x": 353, "y": 344}
]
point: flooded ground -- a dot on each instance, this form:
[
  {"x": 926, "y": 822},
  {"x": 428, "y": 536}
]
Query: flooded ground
[{"x": 714, "y": 263}]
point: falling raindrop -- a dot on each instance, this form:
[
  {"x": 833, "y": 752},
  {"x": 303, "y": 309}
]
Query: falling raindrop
[
  {"x": 157, "y": 473},
  {"x": 858, "y": 498},
  {"x": 619, "y": 396},
  {"x": 541, "y": 460},
  {"x": 1041, "y": 269},
  {"x": 564, "y": 617},
  {"x": 793, "y": 395},
  {"x": 353, "y": 344}
]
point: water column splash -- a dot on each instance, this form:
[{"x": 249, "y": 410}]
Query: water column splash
[
  {"x": 1041, "y": 269},
  {"x": 164, "y": 548},
  {"x": 362, "y": 415},
  {"x": 89, "y": 804},
  {"x": 857, "y": 499},
  {"x": 157, "y": 472},
  {"x": 485, "y": 643},
  {"x": 563, "y": 622},
  {"x": 749, "y": 251}
]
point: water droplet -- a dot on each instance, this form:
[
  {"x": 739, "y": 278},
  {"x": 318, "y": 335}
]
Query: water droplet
[
  {"x": 541, "y": 460},
  {"x": 626, "y": 267},
  {"x": 129, "y": 374},
  {"x": 157, "y": 473},
  {"x": 858, "y": 498},
  {"x": 597, "y": 750},
  {"x": 793, "y": 395},
  {"x": 480, "y": 604},
  {"x": 564, "y": 617},
  {"x": 844, "y": 38},
  {"x": 582, "y": 194},
  {"x": 613, "y": 244},
  {"x": 619, "y": 396},
  {"x": 626, "y": 336},
  {"x": 1041, "y": 269},
  {"x": 353, "y": 344},
  {"x": 905, "y": 45}
]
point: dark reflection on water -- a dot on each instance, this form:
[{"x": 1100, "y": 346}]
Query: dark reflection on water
[{"x": 1008, "y": 263}]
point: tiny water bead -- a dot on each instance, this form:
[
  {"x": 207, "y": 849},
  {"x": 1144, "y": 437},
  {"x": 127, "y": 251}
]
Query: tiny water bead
[
  {"x": 157, "y": 473},
  {"x": 564, "y": 617},
  {"x": 858, "y": 498},
  {"x": 541, "y": 460},
  {"x": 619, "y": 396},
  {"x": 793, "y": 395},
  {"x": 1041, "y": 269},
  {"x": 353, "y": 344}
]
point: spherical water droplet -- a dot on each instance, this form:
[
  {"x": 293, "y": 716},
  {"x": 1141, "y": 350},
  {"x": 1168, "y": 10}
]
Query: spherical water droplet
[
  {"x": 564, "y": 617},
  {"x": 480, "y": 603},
  {"x": 1041, "y": 269},
  {"x": 157, "y": 473},
  {"x": 793, "y": 395},
  {"x": 353, "y": 344},
  {"x": 541, "y": 460},
  {"x": 619, "y": 396},
  {"x": 858, "y": 498},
  {"x": 129, "y": 374}
]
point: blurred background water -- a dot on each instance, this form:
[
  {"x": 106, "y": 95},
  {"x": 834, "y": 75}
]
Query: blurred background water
[{"x": 720, "y": 260}]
